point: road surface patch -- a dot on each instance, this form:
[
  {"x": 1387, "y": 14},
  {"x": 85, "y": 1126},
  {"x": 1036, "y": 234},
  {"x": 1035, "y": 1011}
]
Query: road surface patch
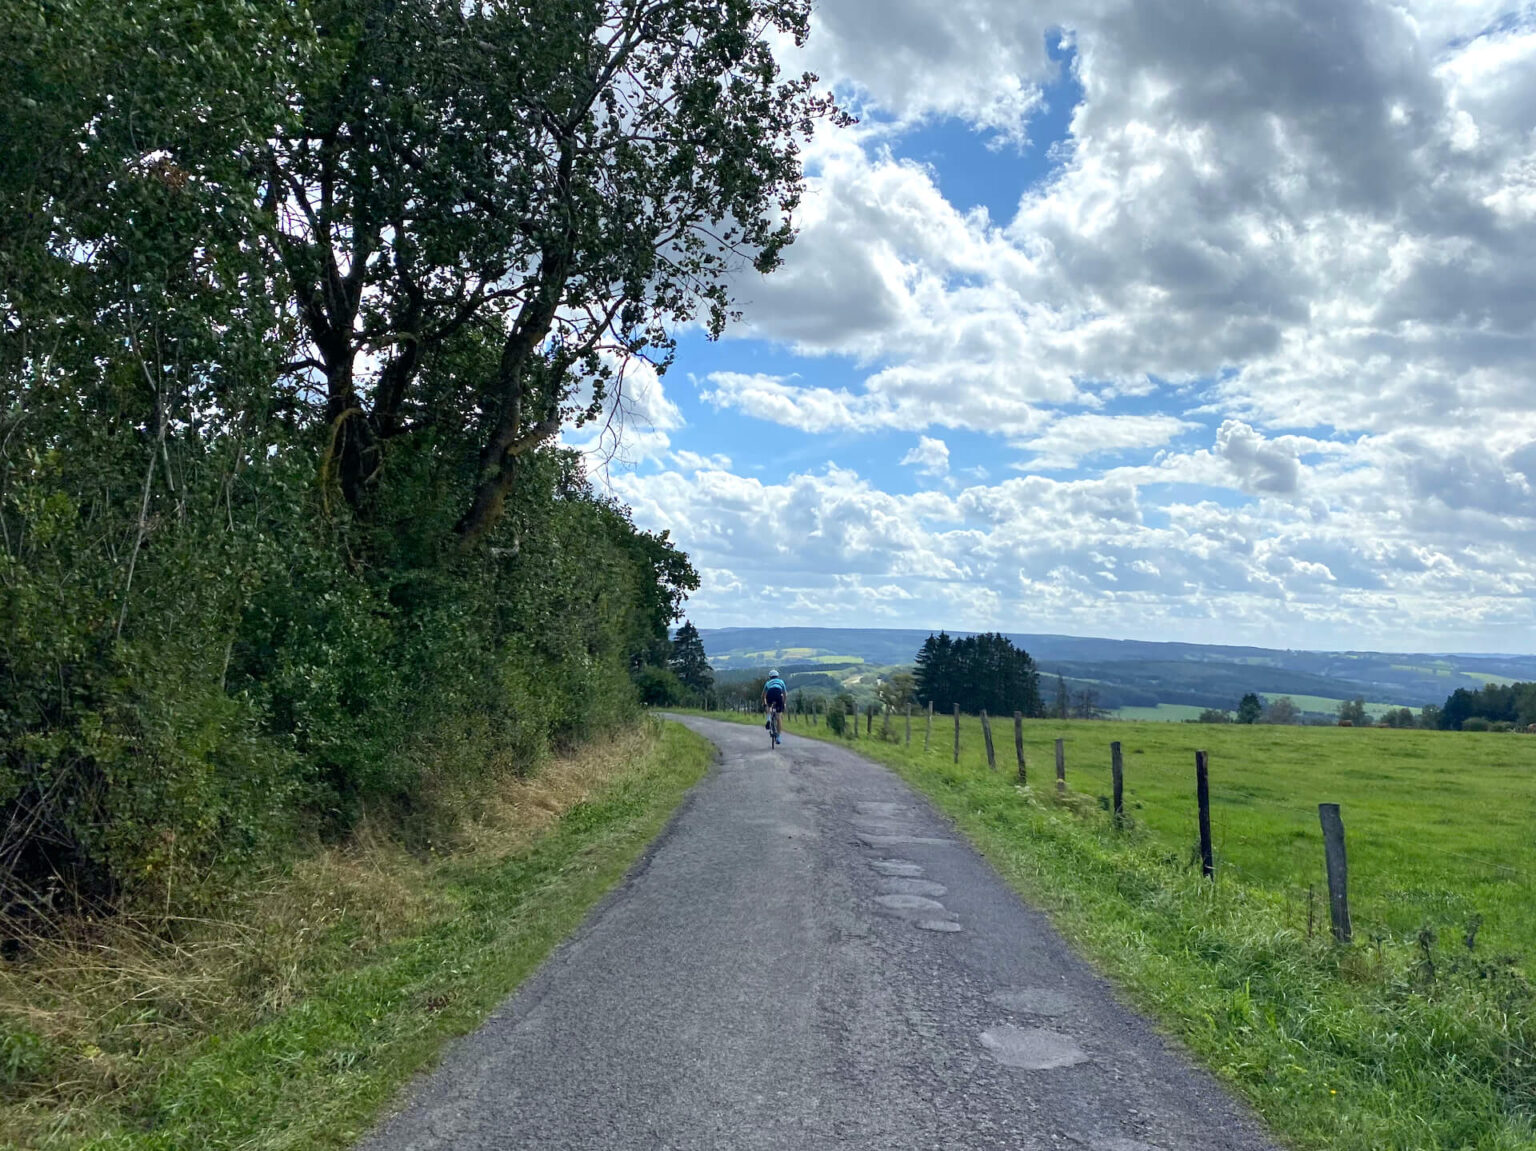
[
  {"x": 909, "y": 903},
  {"x": 1032, "y": 1048},
  {"x": 870, "y": 840},
  {"x": 902, "y": 886}
]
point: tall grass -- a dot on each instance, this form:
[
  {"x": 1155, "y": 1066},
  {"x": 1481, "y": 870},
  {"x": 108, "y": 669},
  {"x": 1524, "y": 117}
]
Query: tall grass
[{"x": 289, "y": 1018}]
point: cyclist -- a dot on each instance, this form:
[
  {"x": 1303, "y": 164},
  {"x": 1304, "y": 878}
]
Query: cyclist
[{"x": 774, "y": 696}]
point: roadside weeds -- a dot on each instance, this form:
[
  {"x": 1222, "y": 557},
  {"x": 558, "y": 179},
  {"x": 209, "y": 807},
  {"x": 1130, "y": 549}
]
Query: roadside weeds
[{"x": 292, "y": 1017}]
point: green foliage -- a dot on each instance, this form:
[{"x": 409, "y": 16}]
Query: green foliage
[
  {"x": 842, "y": 714},
  {"x": 1352, "y": 712},
  {"x": 1250, "y": 709},
  {"x": 1214, "y": 715},
  {"x": 897, "y": 691},
  {"x": 1512, "y": 704},
  {"x": 292, "y": 302},
  {"x": 980, "y": 673},
  {"x": 660, "y": 687},
  {"x": 689, "y": 661},
  {"x": 24, "y": 1056}
]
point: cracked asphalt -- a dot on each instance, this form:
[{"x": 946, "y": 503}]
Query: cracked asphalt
[{"x": 811, "y": 957}]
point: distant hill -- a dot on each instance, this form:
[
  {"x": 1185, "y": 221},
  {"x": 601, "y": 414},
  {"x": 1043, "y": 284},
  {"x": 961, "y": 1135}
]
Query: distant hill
[{"x": 1138, "y": 673}]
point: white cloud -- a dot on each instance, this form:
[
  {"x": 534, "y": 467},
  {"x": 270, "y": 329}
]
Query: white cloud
[
  {"x": 1072, "y": 438},
  {"x": 1261, "y": 466},
  {"x": 930, "y": 457},
  {"x": 1308, "y": 223}
]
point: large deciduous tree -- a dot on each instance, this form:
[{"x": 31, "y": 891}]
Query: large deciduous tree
[{"x": 560, "y": 180}]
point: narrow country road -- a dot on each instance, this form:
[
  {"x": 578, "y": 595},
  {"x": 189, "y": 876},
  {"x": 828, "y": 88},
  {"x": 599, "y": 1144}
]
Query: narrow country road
[{"x": 811, "y": 957}]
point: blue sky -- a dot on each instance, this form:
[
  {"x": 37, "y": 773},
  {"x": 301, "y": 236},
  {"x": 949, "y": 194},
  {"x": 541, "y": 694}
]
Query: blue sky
[{"x": 1157, "y": 320}]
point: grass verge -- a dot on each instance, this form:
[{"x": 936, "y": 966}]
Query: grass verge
[
  {"x": 1412, "y": 1038},
  {"x": 291, "y": 1021}
]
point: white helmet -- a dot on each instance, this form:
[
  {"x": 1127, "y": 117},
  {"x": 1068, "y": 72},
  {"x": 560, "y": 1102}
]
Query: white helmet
[{"x": 774, "y": 674}]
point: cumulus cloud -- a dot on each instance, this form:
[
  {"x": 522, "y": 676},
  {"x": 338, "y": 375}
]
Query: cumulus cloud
[
  {"x": 1072, "y": 438},
  {"x": 930, "y": 457},
  {"x": 1306, "y": 223},
  {"x": 1084, "y": 555},
  {"x": 1260, "y": 465}
]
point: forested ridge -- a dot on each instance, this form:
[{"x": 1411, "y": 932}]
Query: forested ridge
[{"x": 294, "y": 301}]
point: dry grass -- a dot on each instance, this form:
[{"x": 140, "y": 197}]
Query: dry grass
[{"x": 97, "y": 1008}]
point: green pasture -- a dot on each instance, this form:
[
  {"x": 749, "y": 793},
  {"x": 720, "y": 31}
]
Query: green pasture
[
  {"x": 1441, "y": 826},
  {"x": 1327, "y": 705},
  {"x": 1162, "y": 713}
]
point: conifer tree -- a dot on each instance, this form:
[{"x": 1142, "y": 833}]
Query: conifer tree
[{"x": 689, "y": 661}]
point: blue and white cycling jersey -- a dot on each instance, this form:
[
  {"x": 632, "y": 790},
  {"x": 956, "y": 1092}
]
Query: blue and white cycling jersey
[{"x": 775, "y": 690}]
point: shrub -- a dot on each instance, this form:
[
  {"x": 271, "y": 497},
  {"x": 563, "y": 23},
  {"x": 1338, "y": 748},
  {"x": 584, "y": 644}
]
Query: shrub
[{"x": 659, "y": 687}]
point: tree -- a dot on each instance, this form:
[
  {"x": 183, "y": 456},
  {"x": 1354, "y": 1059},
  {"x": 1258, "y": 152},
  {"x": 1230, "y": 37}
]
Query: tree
[
  {"x": 897, "y": 691},
  {"x": 1214, "y": 715},
  {"x": 246, "y": 248},
  {"x": 689, "y": 661},
  {"x": 1352, "y": 712},
  {"x": 1088, "y": 704},
  {"x": 552, "y": 183},
  {"x": 1398, "y": 717},
  {"x": 1511, "y": 703},
  {"x": 1250, "y": 709},
  {"x": 1063, "y": 704},
  {"x": 979, "y": 672},
  {"x": 1429, "y": 716},
  {"x": 1281, "y": 711}
]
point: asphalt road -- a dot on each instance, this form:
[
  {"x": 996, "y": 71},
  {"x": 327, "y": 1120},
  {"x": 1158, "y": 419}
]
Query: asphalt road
[{"x": 810, "y": 957}]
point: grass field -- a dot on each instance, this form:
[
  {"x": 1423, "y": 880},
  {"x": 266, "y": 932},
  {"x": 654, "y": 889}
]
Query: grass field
[
  {"x": 1407, "y": 1039},
  {"x": 1182, "y": 713},
  {"x": 1162, "y": 713},
  {"x": 291, "y": 1021}
]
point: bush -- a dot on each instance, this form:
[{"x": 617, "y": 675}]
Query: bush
[
  {"x": 1476, "y": 723},
  {"x": 842, "y": 714},
  {"x": 285, "y": 677},
  {"x": 659, "y": 687}
]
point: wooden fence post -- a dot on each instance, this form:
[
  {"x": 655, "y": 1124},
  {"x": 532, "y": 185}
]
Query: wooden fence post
[
  {"x": 1117, "y": 770},
  {"x": 1203, "y": 797},
  {"x": 928, "y": 734},
  {"x": 869, "y": 720},
  {"x": 957, "y": 733},
  {"x": 885, "y": 726},
  {"x": 1338, "y": 870},
  {"x": 909, "y": 725},
  {"x": 1018, "y": 742},
  {"x": 1061, "y": 765},
  {"x": 986, "y": 733}
]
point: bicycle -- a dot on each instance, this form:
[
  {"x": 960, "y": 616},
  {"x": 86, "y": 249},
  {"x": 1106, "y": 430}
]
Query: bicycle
[{"x": 773, "y": 726}]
